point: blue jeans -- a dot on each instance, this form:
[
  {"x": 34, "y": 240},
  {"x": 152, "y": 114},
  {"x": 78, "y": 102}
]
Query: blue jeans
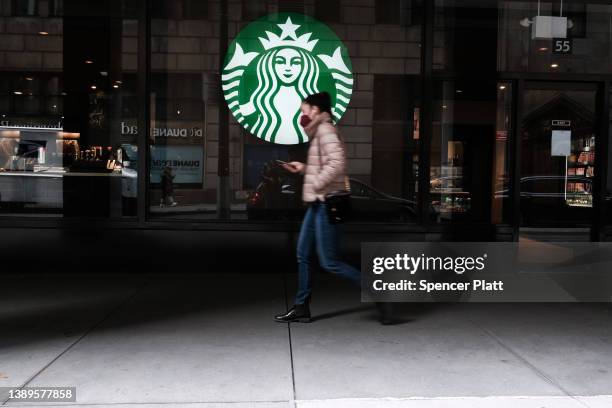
[{"x": 317, "y": 232}]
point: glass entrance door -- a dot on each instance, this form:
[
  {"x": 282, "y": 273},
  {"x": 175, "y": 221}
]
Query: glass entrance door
[{"x": 558, "y": 144}]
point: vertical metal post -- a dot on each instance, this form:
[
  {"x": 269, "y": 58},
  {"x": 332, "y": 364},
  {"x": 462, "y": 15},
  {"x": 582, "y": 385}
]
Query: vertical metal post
[
  {"x": 427, "y": 45},
  {"x": 144, "y": 107},
  {"x": 515, "y": 157},
  {"x": 602, "y": 145},
  {"x": 223, "y": 190}
]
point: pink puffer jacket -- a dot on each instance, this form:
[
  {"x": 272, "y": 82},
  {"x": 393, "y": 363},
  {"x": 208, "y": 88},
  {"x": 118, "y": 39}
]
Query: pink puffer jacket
[{"x": 325, "y": 169}]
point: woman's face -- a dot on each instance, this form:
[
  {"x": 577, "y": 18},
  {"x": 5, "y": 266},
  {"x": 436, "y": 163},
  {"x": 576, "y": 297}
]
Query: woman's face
[
  {"x": 287, "y": 65},
  {"x": 309, "y": 110}
]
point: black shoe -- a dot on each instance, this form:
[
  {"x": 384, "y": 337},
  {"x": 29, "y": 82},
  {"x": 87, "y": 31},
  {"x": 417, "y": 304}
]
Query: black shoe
[
  {"x": 385, "y": 309},
  {"x": 385, "y": 312},
  {"x": 298, "y": 313}
]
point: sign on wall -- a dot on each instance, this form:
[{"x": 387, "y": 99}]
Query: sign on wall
[
  {"x": 273, "y": 64},
  {"x": 164, "y": 132},
  {"x": 186, "y": 163},
  {"x": 561, "y": 143},
  {"x": 562, "y": 46}
]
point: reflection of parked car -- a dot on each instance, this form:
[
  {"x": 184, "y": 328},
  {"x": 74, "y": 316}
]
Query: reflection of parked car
[
  {"x": 282, "y": 201},
  {"x": 277, "y": 196},
  {"x": 547, "y": 200},
  {"x": 370, "y": 204}
]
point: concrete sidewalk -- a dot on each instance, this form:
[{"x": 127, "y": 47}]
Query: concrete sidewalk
[{"x": 209, "y": 341}]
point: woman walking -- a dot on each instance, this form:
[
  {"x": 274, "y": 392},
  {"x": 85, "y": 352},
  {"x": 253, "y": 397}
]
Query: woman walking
[{"x": 324, "y": 172}]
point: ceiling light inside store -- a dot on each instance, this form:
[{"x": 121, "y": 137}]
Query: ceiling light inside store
[
  {"x": 542, "y": 49},
  {"x": 554, "y": 65},
  {"x": 29, "y": 78},
  {"x": 88, "y": 61},
  {"x": 459, "y": 91},
  {"x": 43, "y": 33},
  {"x": 115, "y": 86},
  {"x": 502, "y": 87},
  {"x": 94, "y": 87},
  {"x": 18, "y": 93}
]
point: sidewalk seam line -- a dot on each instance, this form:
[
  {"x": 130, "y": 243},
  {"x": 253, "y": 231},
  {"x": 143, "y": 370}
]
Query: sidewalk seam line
[
  {"x": 81, "y": 337},
  {"x": 530, "y": 365},
  {"x": 294, "y": 396}
]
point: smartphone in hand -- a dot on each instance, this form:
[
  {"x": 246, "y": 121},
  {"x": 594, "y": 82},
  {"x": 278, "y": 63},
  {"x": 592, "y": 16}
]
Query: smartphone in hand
[{"x": 292, "y": 167}]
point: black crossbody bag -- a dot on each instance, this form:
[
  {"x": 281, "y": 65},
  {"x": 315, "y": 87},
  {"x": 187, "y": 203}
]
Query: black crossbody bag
[{"x": 338, "y": 203}]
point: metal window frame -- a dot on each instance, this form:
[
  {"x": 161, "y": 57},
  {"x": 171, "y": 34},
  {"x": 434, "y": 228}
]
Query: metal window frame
[
  {"x": 602, "y": 114},
  {"x": 144, "y": 109}
]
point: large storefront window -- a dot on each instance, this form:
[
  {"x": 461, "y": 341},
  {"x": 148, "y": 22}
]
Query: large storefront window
[
  {"x": 571, "y": 36},
  {"x": 185, "y": 129},
  {"x": 218, "y": 128},
  {"x": 465, "y": 33},
  {"x": 580, "y": 42},
  {"x": 67, "y": 86},
  {"x": 395, "y": 147},
  {"x": 469, "y": 164},
  {"x": 559, "y": 143}
]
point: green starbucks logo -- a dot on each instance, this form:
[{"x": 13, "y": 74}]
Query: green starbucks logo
[{"x": 273, "y": 64}]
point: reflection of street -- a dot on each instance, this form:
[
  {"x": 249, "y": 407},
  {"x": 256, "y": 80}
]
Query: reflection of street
[{"x": 279, "y": 196}]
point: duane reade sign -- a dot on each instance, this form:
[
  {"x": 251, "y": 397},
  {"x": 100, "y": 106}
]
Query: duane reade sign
[
  {"x": 168, "y": 132},
  {"x": 273, "y": 64}
]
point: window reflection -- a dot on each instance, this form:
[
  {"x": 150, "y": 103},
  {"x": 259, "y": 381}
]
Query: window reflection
[
  {"x": 558, "y": 154},
  {"x": 584, "y": 48},
  {"x": 67, "y": 86},
  {"x": 193, "y": 176},
  {"x": 505, "y": 36},
  {"x": 469, "y": 167}
]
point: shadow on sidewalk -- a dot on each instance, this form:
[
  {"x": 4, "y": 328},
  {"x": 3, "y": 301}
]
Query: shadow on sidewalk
[
  {"x": 342, "y": 312},
  {"x": 402, "y": 312}
]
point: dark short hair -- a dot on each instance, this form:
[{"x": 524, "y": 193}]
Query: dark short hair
[{"x": 322, "y": 100}]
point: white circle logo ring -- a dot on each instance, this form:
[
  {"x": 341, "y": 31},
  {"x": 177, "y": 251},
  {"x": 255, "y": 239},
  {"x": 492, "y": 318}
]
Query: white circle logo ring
[{"x": 277, "y": 61}]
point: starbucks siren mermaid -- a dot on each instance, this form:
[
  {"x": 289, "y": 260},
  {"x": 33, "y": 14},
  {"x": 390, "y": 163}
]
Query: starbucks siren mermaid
[{"x": 265, "y": 89}]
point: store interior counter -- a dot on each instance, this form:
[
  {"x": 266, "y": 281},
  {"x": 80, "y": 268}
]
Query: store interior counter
[{"x": 87, "y": 194}]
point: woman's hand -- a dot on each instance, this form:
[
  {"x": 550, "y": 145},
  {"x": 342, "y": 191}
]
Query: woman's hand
[{"x": 294, "y": 167}]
